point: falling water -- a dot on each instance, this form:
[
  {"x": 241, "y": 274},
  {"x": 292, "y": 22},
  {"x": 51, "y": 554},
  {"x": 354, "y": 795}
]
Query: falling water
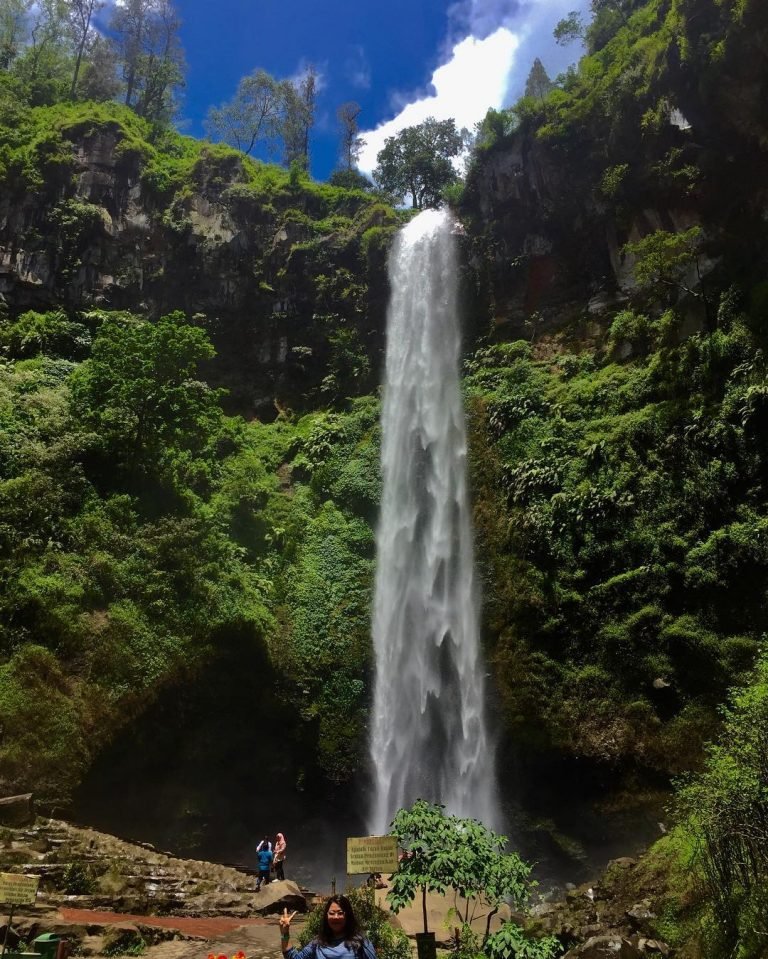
[{"x": 429, "y": 737}]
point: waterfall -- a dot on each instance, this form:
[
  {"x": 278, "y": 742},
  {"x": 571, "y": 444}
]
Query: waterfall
[{"x": 429, "y": 737}]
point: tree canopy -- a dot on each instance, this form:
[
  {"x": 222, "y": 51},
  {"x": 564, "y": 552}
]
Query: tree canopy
[{"x": 418, "y": 162}]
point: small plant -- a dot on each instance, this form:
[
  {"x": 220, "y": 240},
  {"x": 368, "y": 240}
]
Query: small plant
[
  {"x": 123, "y": 942},
  {"x": 78, "y": 880}
]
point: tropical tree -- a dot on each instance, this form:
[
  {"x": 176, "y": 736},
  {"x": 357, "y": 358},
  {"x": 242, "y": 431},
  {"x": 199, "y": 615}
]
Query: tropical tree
[
  {"x": 418, "y": 162},
  {"x": 43, "y": 67},
  {"x": 146, "y": 36},
  {"x": 670, "y": 261},
  {"x": 81, "y": 14},
  {"x": 538, "y": 84},
  {"x": 14, "y": 15},
  {"x": 252, "y": 117},
  {"x": 98, "y": 79},
  {"x": 139, "y": 395},
  {"x": 351, "y": 141},
  {"x": 569, "y": 28},
  {"x": 298, "y": 117}
]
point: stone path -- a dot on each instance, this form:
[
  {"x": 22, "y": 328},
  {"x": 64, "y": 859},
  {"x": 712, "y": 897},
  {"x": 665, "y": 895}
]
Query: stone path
[{"x": 204, "y": 928}]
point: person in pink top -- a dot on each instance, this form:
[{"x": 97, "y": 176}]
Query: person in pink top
[{"x": 280, "y": 846}]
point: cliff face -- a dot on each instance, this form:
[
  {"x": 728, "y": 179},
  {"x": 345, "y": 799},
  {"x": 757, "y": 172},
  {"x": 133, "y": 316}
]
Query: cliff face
[
  {"x": 548, "y": 248},
  {"x": 659, "y": 129},
  {"x": 233, "y": 243}
]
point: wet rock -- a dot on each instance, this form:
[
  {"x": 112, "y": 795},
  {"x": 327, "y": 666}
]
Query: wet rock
[
  {"x": 654, "y": 946},
  {"x": 641, "y": 917},
  {"x": 605, "y": 947}
]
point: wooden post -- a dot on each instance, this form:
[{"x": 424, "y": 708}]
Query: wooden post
[{"x": 5, "y": 937}]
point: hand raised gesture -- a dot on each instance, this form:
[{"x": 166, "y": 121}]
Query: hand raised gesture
[{"x": 285, "y": 921}]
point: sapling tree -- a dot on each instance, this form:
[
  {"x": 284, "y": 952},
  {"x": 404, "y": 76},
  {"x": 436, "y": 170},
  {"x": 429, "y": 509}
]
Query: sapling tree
[{"x": 443, "y": 853}]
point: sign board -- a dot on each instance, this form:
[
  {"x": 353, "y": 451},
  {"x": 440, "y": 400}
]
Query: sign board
[
  {"x": 18, "y": 890},
  {"x": 368, "y": 854}
]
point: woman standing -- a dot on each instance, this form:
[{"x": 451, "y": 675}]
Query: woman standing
[
  {"x": 339, "y": 936},
  {"x": 280, "y": 847}
]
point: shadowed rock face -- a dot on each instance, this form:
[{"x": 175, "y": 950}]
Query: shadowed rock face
[{"x": 246, "y": 266}]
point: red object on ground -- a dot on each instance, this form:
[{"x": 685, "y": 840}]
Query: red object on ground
[{"x": 205, "y": 928}]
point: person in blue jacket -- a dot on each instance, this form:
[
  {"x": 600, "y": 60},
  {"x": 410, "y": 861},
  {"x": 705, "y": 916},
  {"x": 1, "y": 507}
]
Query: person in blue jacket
[
  {"x": 339, "y": 937},
  {"x": 264, "y": 855}
]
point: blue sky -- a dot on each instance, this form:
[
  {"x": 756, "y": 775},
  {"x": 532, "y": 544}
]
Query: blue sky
[{"x": 402, "y": 60}]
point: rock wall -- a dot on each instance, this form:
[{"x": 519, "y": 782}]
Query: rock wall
[{"x": 244, "y": 263}]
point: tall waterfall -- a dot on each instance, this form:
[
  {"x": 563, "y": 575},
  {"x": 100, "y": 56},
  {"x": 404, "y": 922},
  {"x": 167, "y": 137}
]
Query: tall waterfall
[{"x": 429, "y": 737}]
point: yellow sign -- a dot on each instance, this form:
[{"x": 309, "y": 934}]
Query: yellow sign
[
  {"x": 367, "y": 854},
  {"x": 18, "y": 890}
]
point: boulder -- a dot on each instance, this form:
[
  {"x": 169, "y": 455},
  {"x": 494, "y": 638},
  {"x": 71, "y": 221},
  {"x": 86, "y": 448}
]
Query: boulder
[
  {"x": 605, "y": 947},
  {"x": 17, "y": 810},
  {"x": 641, "y": 917},
  {"x": 275, "y": 897},
  {"x": 654, "y": 946}
]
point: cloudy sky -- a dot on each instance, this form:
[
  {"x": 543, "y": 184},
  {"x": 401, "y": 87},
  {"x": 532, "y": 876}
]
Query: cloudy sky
[{"x": 401, "y": 60}]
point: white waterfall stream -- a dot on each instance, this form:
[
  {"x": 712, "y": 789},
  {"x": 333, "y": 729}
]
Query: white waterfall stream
[{"x": 429, "y": 738}]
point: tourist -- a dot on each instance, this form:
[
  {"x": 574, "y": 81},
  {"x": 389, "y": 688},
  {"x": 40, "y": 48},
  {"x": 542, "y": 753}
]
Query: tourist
[
  {"x": 339, "y": 936},
  {"x": 264, "y": 855},
  {"x": 280, "y": 847}
]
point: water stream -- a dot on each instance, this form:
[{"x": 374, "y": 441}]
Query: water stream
[{"x": 429, "y": 738}]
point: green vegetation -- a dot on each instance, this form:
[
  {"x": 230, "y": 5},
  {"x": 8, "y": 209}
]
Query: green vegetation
[
  {"x": 443, "y": 853},
  {"x": 141, "y": 528},
  {"x": 621, "y": 510},
  {"x": 417, "y": 162},
  {"x": 185, "y": 490},
  {"x": 724, "y": 810}
]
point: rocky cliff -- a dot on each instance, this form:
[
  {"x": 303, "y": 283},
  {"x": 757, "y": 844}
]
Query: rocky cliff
[{"x": 272, "y": 266}]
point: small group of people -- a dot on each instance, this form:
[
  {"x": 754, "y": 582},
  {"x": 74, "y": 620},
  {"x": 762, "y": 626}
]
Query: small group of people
[
  {"x": 271, "y": 858},
  {"x": 340, "y": 936}
]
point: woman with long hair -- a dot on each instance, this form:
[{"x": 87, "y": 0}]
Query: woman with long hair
[{"x": 339, "y": 937}]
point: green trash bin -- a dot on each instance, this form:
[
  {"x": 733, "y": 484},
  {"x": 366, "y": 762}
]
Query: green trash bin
[{"x": 47, "y": 945}]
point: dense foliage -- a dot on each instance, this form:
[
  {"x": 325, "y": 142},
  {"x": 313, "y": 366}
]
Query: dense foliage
[
  {"x": 142, "y": 532},
  {"x": 622, "y": 521},
  {"x": 725, "y": 812},
  {"x": 443, "y": 853},
  {"x": 619, "y": 462}
]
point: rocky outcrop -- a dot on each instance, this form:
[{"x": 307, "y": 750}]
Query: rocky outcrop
[
  {"x": 17, "y": 810},
  {"x": 543, "y": 238},
  {"x": 85, "y": 869},
  {"x": 242, "y": 260},
  {"x": 615, "y": 917}
]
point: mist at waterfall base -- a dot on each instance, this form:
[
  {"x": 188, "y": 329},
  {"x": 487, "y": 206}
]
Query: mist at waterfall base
[{"x": 429, "y": 738}]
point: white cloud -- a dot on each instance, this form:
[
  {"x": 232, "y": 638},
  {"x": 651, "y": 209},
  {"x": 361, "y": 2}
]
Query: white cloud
[
  {"x": 357, "y": 69},
  {"x": 473, "y": 79},
  {"x": 487, "y": 68}
]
